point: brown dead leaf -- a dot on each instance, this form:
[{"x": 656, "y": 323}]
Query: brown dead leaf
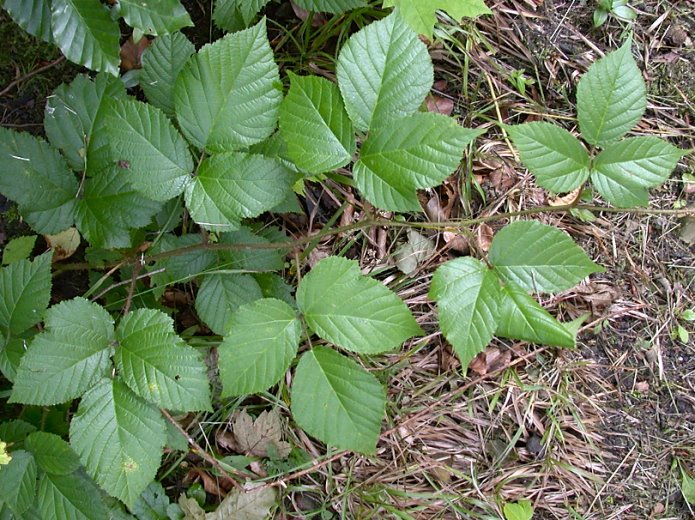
[
  {"x": 318, "y": 20},
  {"x": 456, "y": 241},
  {"x": 566, "y": 200},
  {"x": 687, "y": 230},
  {"x": 209, "y": 484},
  {"x": 484, "y": 234},
  {"x": 131, "y": 53},
  {"x": 439, "y": 104},
  {"x": 64, "y": 244},
  {"x": 226, "y": 441},
  {"x": 490, "y": 360},
  {"x": 642, "y": 386},
  {"x": 260, "y": 437}
]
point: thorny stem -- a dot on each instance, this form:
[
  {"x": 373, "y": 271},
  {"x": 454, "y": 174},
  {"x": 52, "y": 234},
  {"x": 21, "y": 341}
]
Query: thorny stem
[{"x": 367, "y": 223}]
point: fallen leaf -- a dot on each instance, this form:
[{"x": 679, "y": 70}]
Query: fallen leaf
[
  {"x": 251, "y": 503},
  {"x": 687, "y": 230},
  {"x": 260, "y": 437},
  {"x": 490, "y": 360},
  {"x": 209, "y": 484},
  {"x": 688, "y": 487},
  {"x": 416, "y": 250},
  {"x": 64, "y": 244},
  {"x": 566, "y": 200},
  {"x": 131, "y": 53},
  {"x": 440, "y": 104},
  {"x": 485, "y": 234},
  {"x": 456, "y": 241},
  {"x": 642, "y": 386},
  {"x": 191, "y": 509}
]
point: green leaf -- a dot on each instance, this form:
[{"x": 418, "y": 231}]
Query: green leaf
[
  {"x": 315, "y": 125},
  {"x": 157, "y": 365},
  {"x": 624, "y": 170},
  {"x": 611, "y": 97},
  {"x": 184, "y": 266},
  {"x": 260, "y": 344},
  {"x": 257, "y": 257},
  {"x": 52, "y": 454},
  {"x": 18, "y": 249},
  {"x": 25, "y": 289},
  {"x": 162, "y": 62},
  {"x": 220, "y": 295},
  {"x": 522, "y": 318},
  {"x": 229, "y": 187},
  {"x": 119, "y": 439},
  {"x": 415, "y": 152},
  {"x": 67, "y": 358},
  {"x": 227, "y": 96},
  {"x": 37, "y": 178},
  {"x": 150, "y": 152},
  {"x": 152, "y": 504},
  {"x": 337, "y": 401},
  {"x": 274, "y": 286},
  {"x": 72, "y": 111},
  {"x": 18, "y": 482},
  {"x": 330, "y": 6},
  {"x": 234, "y": 15},
  {"x": 558, "y": 160},
  {"x": 358, "y": 313},
  {"x": 86, "y": 34},
  {"x": 384, "y": 73},
  {"x": 15, "y": 432},
  {"x": 34, "y": 16},
  {"x": 70, "y": 497},
  {"x": 520, "y": 510},
  {"x": 539, "y": 258},
  {"x": 687, "y": 487},
  {"x": 110, "y": 208},
  {"x": 155, "y": 17},
  {"x": 420, "y": 14},
  {"x": 468, "y": 296}
]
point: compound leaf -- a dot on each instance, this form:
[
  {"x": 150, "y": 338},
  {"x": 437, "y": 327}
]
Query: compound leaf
[
  {"x": 315, "y": 125},
  {"x": 624, "y": 170},
  {"x": 330, "y": 6},
  {"x": 522, "y": 318},
  {"x": 337, "y": 401},
  {"x": 150, "y": 152},
  {"x": 155, "y": 17},
  {"x": 227, "y": 96},
  {"x": 234, "y": 15},
  {"x": 468, "y": 295},
  {"x": 384, "y": 73},
  {"x": 67, "y": 358},
  {"x": 25, "y": 289},
  {"x": 356, "y": 312},
  {"x": 221, "y": 294},
  {"x": 162, "y": 62},
  {"x": 539, "y": 258},
  {"x": 86, "y": 34},
  {"x": 119, "y": 438},
  {"x": 18, "y": 482},
  {"x": 34, "y": 16},
  {"x": 52, "y": 454},
  {"x": 110, "y": 208},
  {"x": 420, "y": 14},
  {"x": 558, "y": 160},
  {"x": 415, "y": 152},
  {"x": 611, "y": 97},
  {"x": 70, "y": 496},
  {"x": 37, "y": 178},
  {"x": 157, "y": 365},
  {"x": 72, "y": 111},
  {"x": 260, "y": 344},
  {"x": 229, "y": 187}
]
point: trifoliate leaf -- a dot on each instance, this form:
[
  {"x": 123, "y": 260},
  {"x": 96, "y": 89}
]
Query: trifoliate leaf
[
  {"x": 70, "y": 496},
  {"x": 356, "y": 312},
  {"x": 157, "y": 365},
  {"x": 119, "y": 438},
  {"x": 38, "y": 179},
  {"x": 624, "y": 170},
  {"x": 25, "y": 289},
  {"x": 468, "y": 296},
  {"x": 412, "y": 153},
  {"x": 261, "y": 342},
  {"x": 161, "y": 63},
  {"x": 52, "y": 454},
  {"x": 384, "y": 73},
  {"x": 67, "y": 358},
  {"x": 315, "y": 125},
  {"x": 155, "y": 18},
  {"x": 420, "y": 14},
  {"x": 556, "y": 158},
  {"x": 219, "y": 295},
  {"x": 611, "y": 97},
  {"x": 337, "y": 401},
  {"x": 18, "y": 482},
  {"x": 521, "y": 317},
  {"x": 539, "y": 258},
  {"x": 229, "y": 187},
  {"x": 227, "y": 96},
  {"x": 86, "y": 34}
]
